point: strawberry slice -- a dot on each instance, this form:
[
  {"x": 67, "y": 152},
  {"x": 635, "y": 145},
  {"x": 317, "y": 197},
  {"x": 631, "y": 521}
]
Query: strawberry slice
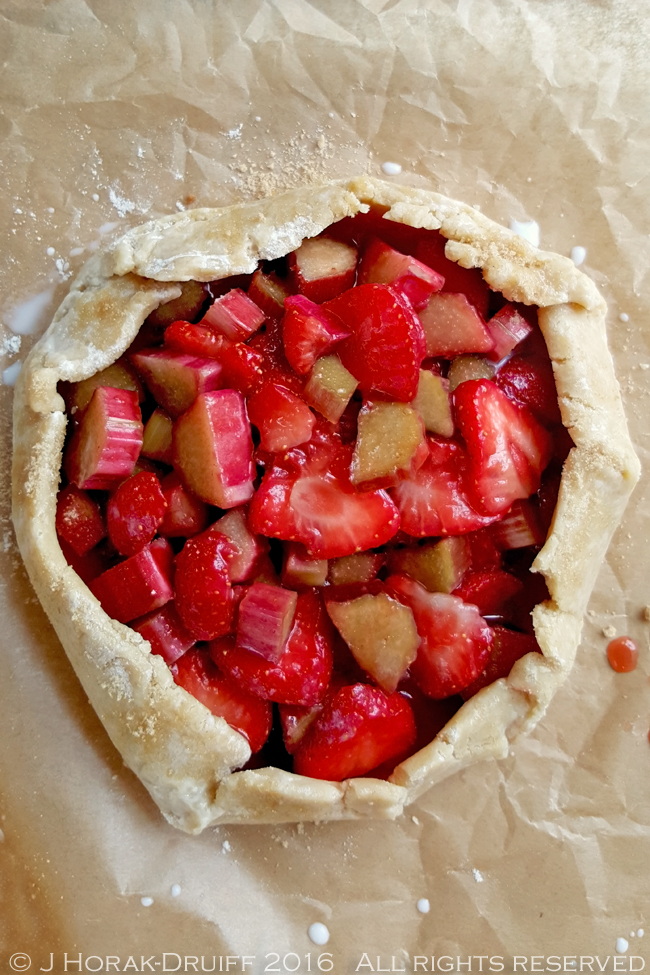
[
  {"x": 435, "y": 499},
  {"x": 134, "y": 512},
  {"x": 275, "y": 368},
  {"x": 359, "y": 729},
  {"x": 165, "y": 632},
  {"x": 201, "y": 678},
  {"x": 529, "y": 380},
  {"x": 282, "y": 419},
  {"x": 186, "y": 515},
  {"x": 138, "y": 585},
  {"x": 508, "y": 647},
  {"x": 79, "y": 520},
  {"x": 455, "y": 639},
  {"x": 507, "y": 447},
  {"x": 301, "y": 674},
  {"x": 204, "y": 598},
  {"x": 382, "y": 264},
  {"x": 195, "y": 340},
  {"x": 306, "y": 496},
  {"x": 386, "y": 345},
  {"x": 242, "y": 368},
  {"x": 490, "y": 590},
  {"x": 309, "y": 332}
]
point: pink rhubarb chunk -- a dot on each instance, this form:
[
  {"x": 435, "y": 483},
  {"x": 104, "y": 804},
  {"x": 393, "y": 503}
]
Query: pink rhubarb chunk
[
  {"x": 108, "y": 440},
  {"x": 234, "y": 315},
  {"x": 265, "y": 617}
]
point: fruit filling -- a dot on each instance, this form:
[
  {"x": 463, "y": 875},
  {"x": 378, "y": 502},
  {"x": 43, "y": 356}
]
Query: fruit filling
[{"x": 317, "y": 492}]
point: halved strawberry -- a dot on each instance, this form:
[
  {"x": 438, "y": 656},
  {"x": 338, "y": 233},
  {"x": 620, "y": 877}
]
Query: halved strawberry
[
  {"x": 360, "y": 728},
  {"x": 529, "y": 380},
  {"x": 386, "y": 345},
  {"x": 195, "y": 340},
  {"x": 435, "y": 499},
  {"x": 134, "y": 512},
  {"x": 309, "y": 332},
  {"x": 382, "y": 264},
  {"x": 204, "y": 598},
  {"x": 307, "y": 497},
  {"x": 455, "y": 639},
  {"x": 221, "y": 695},
  {"x": 508, "y": 647},
  {"x": 242, "y": 368},
  {"x": 165, "y": 632},
  {"x": 301, "y": 674},
  {"x": 186, "y": 515},
  {"x": 282, "y": 418},
  {"x": 275, "y": 367},
  {"x": 79, "y": 519},
  {"x": 138, "y": 585},
  {"x": 490, "y": 590},
  {"x": 508, "y": 448}
]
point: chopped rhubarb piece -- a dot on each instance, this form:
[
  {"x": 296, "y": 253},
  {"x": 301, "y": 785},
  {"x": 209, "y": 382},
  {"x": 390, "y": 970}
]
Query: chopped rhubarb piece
[
  {"x": 520, "y": 527},
  {"x": 307, "y": 497},
  {"x": 222, "y": 696},
  {"x": 508, "y": 647},
  {"x": 88, "y": 566},
  {"x": 157, "y": 439},
  {"x": 242, "y": 368},
  {"x": 134, "y": 587},
  {"x": 119, "y": 375},
  {"x": 269, "y": 294},
  {"x": 299, "y": 569},
  {"x": 322, "y": 268},
  {"x": 248, "y": 548},
  {"x": 459, "y": 280},
  {"x": 204, "y": 598},
  {"x": 187, "y": 307},
  {"x": 466, "y": 367},
  {"x": 356, "y": 731},
  {"x": 386, "y": 345},
  {"x": 453, "y": 326},
  {"x": 195, "y": 340},
  {"x": 390, "y": 445},
  {"x": 176, "y": 379},
  {"x": 186, "y": 515},
  {"x": 508, "y": 448},
  {"x": 330, "y": 388},
  {"x": 508, "y": 328},
  {"x": 265, "y": 619},
  {"x": 381, "y": 634},
  {"x": 134, "y": 512},
  {"x": 529, "y": 380},
  {"x": 234, "y": 315},
  {"x": 106, "y": 444},
  {"x": 309, "y": 332},
  {"x": 433, "y": 404},
  {"x": 382, "y": 264},
  {"x": 455, "y": 639},
  {"x": 79, "y": 520},
  {"x": 301, "y": 674},
  {"x": 361, "y": 567},
  {"x": 283, "y": 420},
  {"x": 165, "y": 632},
  {"x": 490, "y": 590},
  {"x": 435, "y": 499},
  {"x": 213, "y": 449},
  {"x": 438, "y": 566},
  {"x": 296, "y": 719}
]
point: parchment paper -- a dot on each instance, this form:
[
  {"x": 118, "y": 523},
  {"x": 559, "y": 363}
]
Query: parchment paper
[{"x": 112, "y": 113}]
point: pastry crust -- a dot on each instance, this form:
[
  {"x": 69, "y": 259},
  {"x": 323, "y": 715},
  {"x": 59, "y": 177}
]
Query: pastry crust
[{"x": 183, "y": 754}]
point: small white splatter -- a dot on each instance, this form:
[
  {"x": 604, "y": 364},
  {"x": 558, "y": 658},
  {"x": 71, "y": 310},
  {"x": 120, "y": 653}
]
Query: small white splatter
[
  {"x": 578, "y": 255},
  {"x": 226, "y": 847},
  {"x": 107, "y": 227},
  {"x": 639, "y": 933},
  {"x": 146, "y": 901},
  {"x": 258, "y": 118},
  {"x": 11, "y": 345},
  {"x": 414, "y": 819},
  {"x": 26, "y": 318},
  {"x": 621, "y": 946},
  {"x": 76, "y": 251},
  {"x": 2, "y": 836},
  {"x": 50, "y": 209},
  {"x": 478, "y": 876},
  {"x": 121, "y": 204},
  {"x": 632, "y": 934},
  {"x": 318, "y": 933},
  {"x": 11, "y": 373},
  {"x": 624, "y": 317},
  {"x": 18, "y": 210},
  {"x": 391, "y": 168},
  {"x": 96, "y": 197},
  {"x": 176, "y": 890},
  {"x": 423, "y": 905},
  {"x": 528, "y": 229},
  {"x": 236, "y": 132},
  {"x": 50, "y": 252}
]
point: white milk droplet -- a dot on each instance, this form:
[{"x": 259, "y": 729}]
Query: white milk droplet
[
  {"x": 578, "y": 255},
  {"x": 11, "y": 373},
  {"x": 226, "y": 847},
  {"x": 146, "y": 901},
  {"x": 528, "y": 229},
  {"x": 391, "y": 168},
  {"x": 76, "y": 251},
  {"x": 423, "y": 905},
  {"x": 50, "y": 252},
  {"x": 176, "y": 889},
  {"x": 639, "y": 933},
  {"x": 26, "y": 318},
  {"x": 2, "y": 836},
  {"x": 258, "y": 118},
  {"x": 478, "y": 876},
  {"x": 621, "y": 946},
  {"x": 318, "y": 933},
  {"x": 624, "y": 317}
]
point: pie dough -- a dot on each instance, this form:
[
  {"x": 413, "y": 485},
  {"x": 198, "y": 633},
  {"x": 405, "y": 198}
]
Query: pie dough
[{"x": 182, "y": 753}]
